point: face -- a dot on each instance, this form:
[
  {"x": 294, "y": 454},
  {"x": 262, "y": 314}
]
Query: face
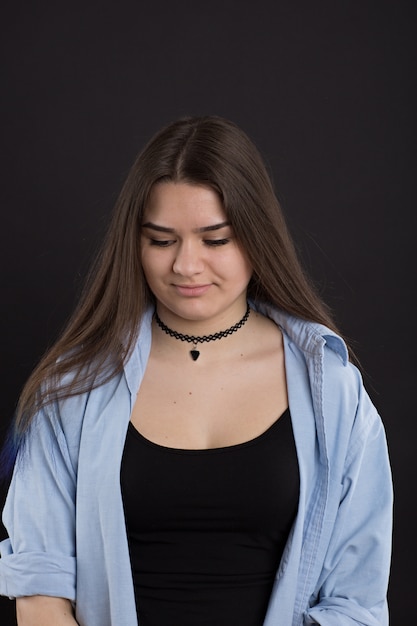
[{"x": 191, "y": 259}]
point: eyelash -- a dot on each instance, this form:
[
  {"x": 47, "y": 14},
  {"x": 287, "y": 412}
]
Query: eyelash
[
  {"x": 209, "y": 242},
  {"x": 159, "y": 243},
  {"x": 216, "y": 242}
]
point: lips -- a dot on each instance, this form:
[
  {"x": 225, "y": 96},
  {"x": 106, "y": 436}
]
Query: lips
[{"x": 192, "y": 290}]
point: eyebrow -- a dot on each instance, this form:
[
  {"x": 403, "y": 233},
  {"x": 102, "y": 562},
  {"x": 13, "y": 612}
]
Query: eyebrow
[{"x": 203, "y": 229}]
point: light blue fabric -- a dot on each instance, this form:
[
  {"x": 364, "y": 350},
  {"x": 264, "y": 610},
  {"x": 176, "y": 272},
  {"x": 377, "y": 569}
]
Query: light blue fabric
[{"x": 64, "y": 509}]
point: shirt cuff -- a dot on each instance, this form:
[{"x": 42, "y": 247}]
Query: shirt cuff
[{"x": 36, "y": 573}]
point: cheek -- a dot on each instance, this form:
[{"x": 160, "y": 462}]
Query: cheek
[
  {"x": 248, "y": 274},
  {"x": 236, "y": 267},
  {"x": 246, "y": 267},
  {"x": 147, "y": 265},
  {"x": 154, "y": 264}
]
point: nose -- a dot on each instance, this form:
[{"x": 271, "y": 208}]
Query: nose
[{"x": 188, "y": 259}]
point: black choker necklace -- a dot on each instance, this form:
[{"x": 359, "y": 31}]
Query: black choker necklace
[{"x": 204, "y": 338}]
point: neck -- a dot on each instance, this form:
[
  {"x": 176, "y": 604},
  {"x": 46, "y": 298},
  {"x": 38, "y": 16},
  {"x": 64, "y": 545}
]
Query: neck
[{"x": 196, "y": 341}]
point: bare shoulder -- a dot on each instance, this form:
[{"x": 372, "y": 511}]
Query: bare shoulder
[{"x": 266, "y": 335}]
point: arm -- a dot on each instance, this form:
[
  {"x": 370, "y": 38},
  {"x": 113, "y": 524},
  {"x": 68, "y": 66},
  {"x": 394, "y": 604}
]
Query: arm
[
  {"x": 39, "y": 514},
  {"x": 353, "y": 582},
  {"x": 44, "y": 611}
]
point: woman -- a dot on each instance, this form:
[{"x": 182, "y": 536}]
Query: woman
[{"x": 197, "y": 447}]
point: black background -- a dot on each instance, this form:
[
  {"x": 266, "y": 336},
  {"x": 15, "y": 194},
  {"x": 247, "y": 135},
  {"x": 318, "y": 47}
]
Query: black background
[{"x": 326, "y": 90}]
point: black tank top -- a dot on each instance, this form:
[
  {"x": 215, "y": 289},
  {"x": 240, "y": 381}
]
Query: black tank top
[{"x": 207, "y": 528}]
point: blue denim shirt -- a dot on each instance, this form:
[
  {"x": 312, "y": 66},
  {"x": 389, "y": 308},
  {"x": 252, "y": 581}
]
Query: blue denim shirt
[{"x": 64, "y": 511}]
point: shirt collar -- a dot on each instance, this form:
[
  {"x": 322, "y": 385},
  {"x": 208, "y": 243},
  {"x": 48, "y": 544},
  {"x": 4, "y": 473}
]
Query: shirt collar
[{"x": 310, "y": 337}]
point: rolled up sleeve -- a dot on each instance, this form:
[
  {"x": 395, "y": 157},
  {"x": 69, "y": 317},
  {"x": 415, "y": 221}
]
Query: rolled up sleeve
[
  {"x": 39, "y": 557},
  {"x": 354, "y": 579},
  {"x": 36, "y": 573}
]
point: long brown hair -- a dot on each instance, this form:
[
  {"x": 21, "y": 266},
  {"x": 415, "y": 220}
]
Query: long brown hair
[{"x": 208, "y": 151}]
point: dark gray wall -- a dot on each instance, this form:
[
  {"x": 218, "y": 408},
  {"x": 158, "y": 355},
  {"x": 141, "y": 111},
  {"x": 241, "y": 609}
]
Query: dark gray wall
[{"x": 326, "y": 91}]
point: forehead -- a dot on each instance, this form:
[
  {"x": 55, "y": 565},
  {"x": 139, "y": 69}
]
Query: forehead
[{"x": 173, "y": 202}]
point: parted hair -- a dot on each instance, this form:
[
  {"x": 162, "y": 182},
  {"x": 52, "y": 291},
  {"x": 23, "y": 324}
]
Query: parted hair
[{"x": 209, "y": 151}]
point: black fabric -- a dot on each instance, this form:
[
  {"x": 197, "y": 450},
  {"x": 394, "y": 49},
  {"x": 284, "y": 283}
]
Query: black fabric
[{"x": 207, "y": 528}]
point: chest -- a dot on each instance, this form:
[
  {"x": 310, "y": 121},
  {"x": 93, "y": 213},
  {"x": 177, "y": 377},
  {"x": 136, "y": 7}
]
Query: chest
[
  {"x": 222, "y": 404},
  {"x": 207, "y": 528}
]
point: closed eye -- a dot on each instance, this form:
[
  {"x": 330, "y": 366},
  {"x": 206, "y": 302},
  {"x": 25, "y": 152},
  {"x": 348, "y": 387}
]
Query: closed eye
[
  {"x": 216, "y": 242},
  {"x": 162, "y": 243}
]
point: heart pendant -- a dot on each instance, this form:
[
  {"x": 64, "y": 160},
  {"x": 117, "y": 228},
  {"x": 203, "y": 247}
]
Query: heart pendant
[{"x": 194, "y": 354}]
